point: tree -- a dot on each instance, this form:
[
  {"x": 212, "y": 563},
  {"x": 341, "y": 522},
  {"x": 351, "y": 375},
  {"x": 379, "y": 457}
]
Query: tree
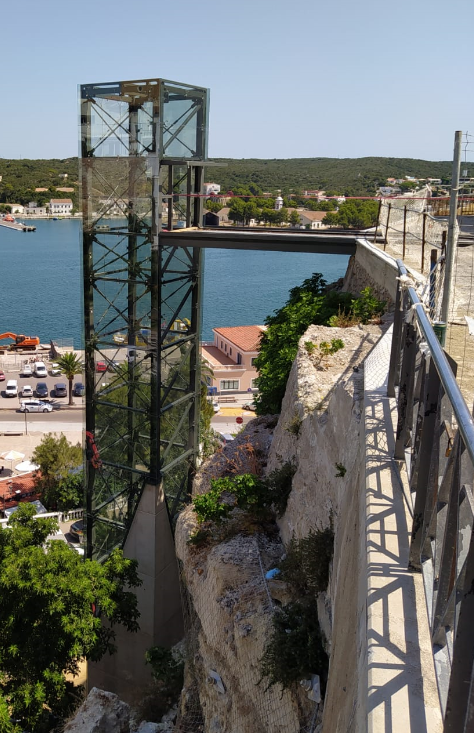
[
  {"x": 57, "y": 459},
  {"x": 294, "y": 218},
  {"x": 307, "y": 304},
  {"x": 52, "y": 606},
  {"x": 71, "y": 365}
]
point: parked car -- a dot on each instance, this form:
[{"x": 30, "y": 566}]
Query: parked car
[
  {"x": 11, "y": 390},
  {"x": 76, "y": 530},
  {"x": 42, "y": 389},
  {"x": 79, "y": 389},
  {"x": 26, "y": 391},
  {"x": 55, "y": 370},
  {"x": 40, "y": 369},
  {"x": 2, "y": 376},
  {"x": 60, "y": 390},
  {"x": 35, "y": 406},
  {"x": 112, "y": 366},
  {"x": 101, "y": 366},
  {"x": 26, "y": 371}
]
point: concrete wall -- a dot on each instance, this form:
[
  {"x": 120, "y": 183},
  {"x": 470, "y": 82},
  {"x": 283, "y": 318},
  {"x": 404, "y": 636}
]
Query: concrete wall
[{"x": 150, "y": 541}]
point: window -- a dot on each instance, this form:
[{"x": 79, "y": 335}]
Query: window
[
  {"x": 239, "y": 358},
  {"x": 222, "y": 345},
  {"x": 253, "y": 360},
  {"x": 252, "y": 384},
  {"x": 230, "y": 350},
  {"x": 229, "y": 384},
  {"x": 225, "y": 348}
]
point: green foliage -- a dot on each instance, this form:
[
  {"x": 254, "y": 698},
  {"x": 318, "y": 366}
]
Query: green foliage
[
  {"x": 166, "y": 670},
  {"x": 307, "y": 304},
  {"x": 310, "y": 347},
  {"x": 57, "y": 457},
  {"x": 306, "y": 566},
  {"x": 21, "y": 177},
  {"x": 208, "y": 506},
  {"x": 70, "y": 365},
  {"x": 354, "y": 215},
  {"x": 295, "y": 648},
  {"x": 367, "y": 306},
  {"x": 47, "y": 593},
  {"x": 246, "y": 491},
  {"x": 279, "y": 483},
  {"x": 341, "y": 470}
]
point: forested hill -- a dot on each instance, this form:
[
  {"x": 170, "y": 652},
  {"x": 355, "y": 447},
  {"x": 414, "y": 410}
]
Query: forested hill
[{"x": 352, "y": 176}]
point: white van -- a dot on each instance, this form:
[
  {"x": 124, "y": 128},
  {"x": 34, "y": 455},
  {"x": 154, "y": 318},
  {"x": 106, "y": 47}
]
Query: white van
[
  {"x": 40, "y": 369},
  {"x": 11, "y": 390}
]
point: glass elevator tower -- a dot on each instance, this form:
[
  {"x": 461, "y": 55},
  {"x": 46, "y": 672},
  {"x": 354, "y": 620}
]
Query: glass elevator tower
[{"x": 143, "y": 145}]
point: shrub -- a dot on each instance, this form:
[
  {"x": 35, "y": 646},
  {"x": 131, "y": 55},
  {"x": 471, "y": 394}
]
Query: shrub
[
  {"x": 295, "y": 648},
  {"x": 306, "y": 566},
  {"x": 279, "y": 483},
  {"x": 294, "y": 426},
  {"x": 367, "y": 307}
]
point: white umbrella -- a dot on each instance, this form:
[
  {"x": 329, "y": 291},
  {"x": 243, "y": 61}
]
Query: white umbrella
[
  {"x": 12, "y": 455},
  {"x": 26, "y": 467}
]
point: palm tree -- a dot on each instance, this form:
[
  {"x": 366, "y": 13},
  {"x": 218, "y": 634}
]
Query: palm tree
[{"x": 71, "y": 365}]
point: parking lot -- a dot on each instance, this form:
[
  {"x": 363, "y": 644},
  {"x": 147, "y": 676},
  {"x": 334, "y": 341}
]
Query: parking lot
[{"x": 32, "y": 380}]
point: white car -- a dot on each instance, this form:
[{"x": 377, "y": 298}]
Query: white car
[
  {"x": 40, "y": 369},
  {"x": 55, "y": 370},
  {"x": 35, "y": 406},
  {"x": 26, "y": 371},
  {"x": 26, "y": 391}
]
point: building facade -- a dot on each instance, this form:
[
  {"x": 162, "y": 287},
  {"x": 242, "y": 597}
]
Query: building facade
[
  {"x": 60, "y": 206},
  {"x": 231, "y": 357}
]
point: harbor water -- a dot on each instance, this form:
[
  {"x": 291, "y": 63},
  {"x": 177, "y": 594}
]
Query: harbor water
[{"x": 41, "y": 288}]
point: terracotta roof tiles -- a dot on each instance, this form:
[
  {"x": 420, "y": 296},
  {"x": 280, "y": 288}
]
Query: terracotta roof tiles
[{"x": 246, "y": 338}]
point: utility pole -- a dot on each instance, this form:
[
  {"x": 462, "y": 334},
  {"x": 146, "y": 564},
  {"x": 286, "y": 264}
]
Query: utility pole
[{"x": 451, "y": 238}]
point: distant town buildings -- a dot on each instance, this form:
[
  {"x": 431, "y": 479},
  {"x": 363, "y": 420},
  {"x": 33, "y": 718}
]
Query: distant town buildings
[{"x": 231, "y": 357}]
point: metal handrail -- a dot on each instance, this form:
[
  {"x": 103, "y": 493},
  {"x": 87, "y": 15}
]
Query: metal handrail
[
  {"x": 430, "y": 404},
  {"x": 448, "y": 380}
]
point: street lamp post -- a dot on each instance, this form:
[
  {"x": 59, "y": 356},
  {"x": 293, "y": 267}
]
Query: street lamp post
[{"x": 26, "y": 424}]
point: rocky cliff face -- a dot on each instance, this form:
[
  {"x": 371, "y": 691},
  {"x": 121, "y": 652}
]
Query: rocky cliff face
[{"x": 230, "y": 603}]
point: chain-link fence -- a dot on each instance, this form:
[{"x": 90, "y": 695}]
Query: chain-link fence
[{"x": 224, "y": 688}]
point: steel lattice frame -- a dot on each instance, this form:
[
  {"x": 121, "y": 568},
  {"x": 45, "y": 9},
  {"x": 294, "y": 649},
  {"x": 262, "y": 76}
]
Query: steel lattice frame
[{"x": 143, "y": 145}]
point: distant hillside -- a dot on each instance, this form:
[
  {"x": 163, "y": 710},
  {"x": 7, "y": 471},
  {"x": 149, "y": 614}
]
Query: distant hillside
[{"x": 352, "y": 176}]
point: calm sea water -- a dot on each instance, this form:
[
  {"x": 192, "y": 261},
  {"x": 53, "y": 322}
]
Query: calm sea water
[{"x": 40, "y": 282}]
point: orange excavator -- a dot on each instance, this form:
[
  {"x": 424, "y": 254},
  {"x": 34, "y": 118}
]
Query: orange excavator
[{"x": 28, "y": 343}]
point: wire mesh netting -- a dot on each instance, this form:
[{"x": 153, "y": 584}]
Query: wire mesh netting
[{"x": 228, "y": 608}]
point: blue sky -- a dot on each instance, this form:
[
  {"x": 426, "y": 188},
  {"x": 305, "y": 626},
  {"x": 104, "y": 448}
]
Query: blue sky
[{"x": 302, "y": 79}]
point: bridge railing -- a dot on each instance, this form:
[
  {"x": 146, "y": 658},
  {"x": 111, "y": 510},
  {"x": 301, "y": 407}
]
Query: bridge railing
[{"x": 435, "y": 437}]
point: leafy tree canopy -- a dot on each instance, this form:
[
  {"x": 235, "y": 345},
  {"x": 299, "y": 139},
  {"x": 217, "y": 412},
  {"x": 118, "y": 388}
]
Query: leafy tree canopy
[
  {"x": 57, "y": 458},
  {"x": 47, "y": 600}
]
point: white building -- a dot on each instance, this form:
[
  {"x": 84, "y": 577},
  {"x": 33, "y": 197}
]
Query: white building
[
  {"x": 278, "y": 203},
  {"x": 60, "y": 206},
  {"x": 211, "y": 188},
  {"x": 33, "y": 210},
  {"x": 17, "y": 208},
  {"x": 312, "y": 219}
]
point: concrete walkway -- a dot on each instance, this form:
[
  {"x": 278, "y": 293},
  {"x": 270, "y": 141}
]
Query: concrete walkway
[{"x": 402, "y": 691}]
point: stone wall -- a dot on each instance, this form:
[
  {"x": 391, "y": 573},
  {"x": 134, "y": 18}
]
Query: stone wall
[{"x": 232, "y": 605}]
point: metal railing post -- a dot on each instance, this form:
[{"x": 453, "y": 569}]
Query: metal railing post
[{"x": 395, "y": 352}]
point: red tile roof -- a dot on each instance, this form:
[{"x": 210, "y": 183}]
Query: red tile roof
[
  {"x": 25, "y": 484},
  {"x": 246, "y": 338}
]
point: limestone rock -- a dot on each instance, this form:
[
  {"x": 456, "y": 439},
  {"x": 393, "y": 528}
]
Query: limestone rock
[{"x": 101, "y": 712}]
